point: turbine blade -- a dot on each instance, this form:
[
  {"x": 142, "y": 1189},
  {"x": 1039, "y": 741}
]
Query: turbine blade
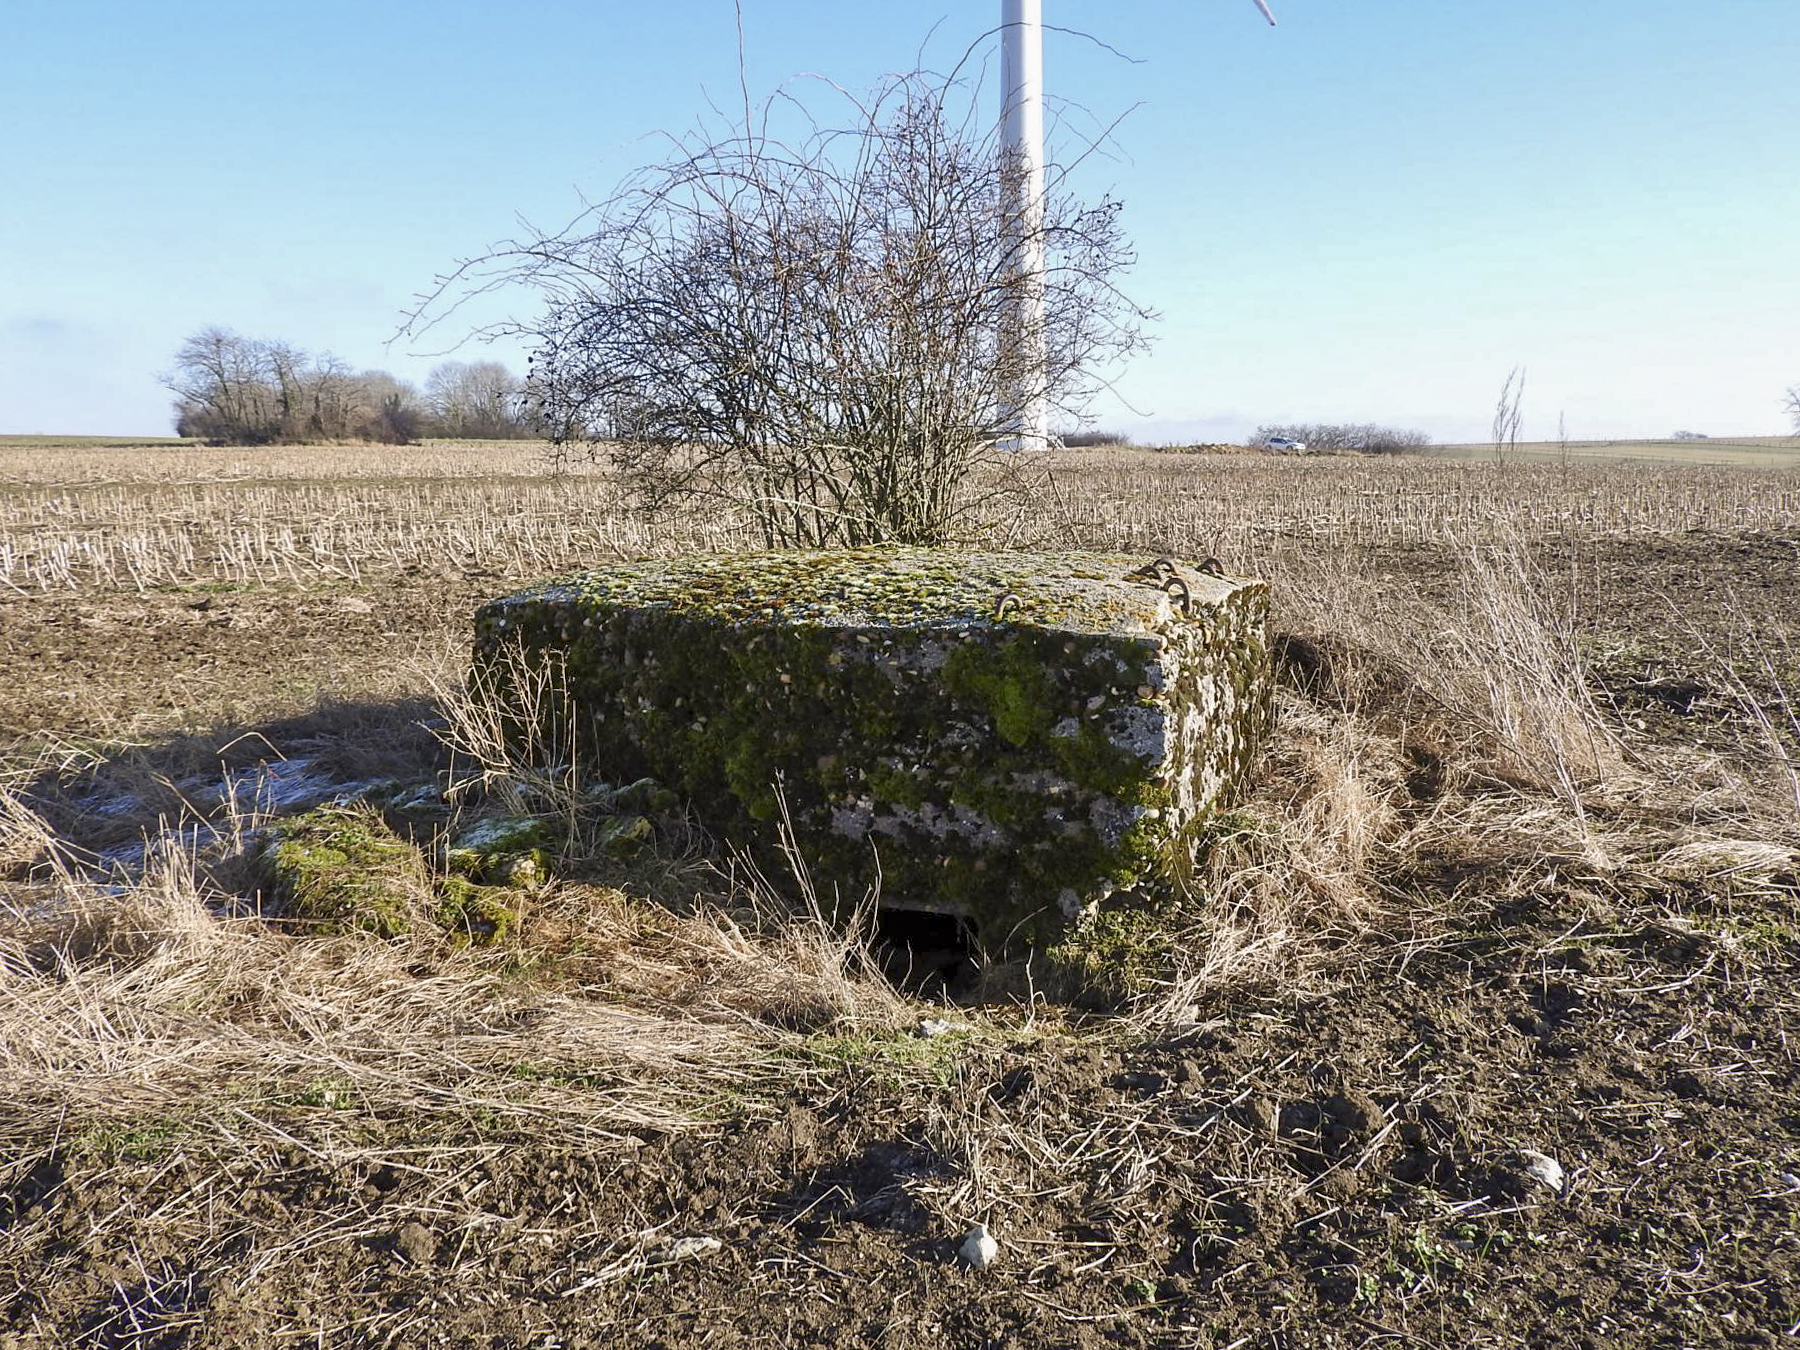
[{"x": 1266, "y": 12}]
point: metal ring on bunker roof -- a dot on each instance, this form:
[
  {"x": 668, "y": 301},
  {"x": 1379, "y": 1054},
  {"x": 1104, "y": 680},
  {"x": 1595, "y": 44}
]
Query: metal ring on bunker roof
[
  {"x": 1154, "y": 571},
  {"x": 1187, "y": 596}
]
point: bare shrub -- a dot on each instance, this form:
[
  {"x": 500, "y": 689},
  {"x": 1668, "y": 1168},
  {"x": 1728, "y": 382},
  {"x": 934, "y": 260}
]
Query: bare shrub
[{"x": 811, "y": 327}]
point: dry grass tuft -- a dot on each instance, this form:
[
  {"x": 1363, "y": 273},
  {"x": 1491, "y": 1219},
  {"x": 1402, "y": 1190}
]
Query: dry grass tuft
[
  {"x": 1521, "y": 648},
  {"x": 162, "y": 998},
  {"x": 754, "y": 962},
  {"x": 1435, "y": 757},
  {"x": 780, "y": 955},
  {"x": 154, "y": 1004},
  {"x": 1293, "y": 875},
  {"x": 510, "y": 730},
  {"x": 1501, "y": 662}
]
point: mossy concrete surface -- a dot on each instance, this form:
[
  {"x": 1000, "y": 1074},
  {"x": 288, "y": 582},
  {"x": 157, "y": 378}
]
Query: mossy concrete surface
[
  {"x": 342, "y": 869},
  {"x": 510, "y": 849},
  {"x": 1007, "y": 736}
]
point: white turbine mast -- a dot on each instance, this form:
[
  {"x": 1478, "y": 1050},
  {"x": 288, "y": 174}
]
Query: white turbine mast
[{"x": 1022, "y": 168}]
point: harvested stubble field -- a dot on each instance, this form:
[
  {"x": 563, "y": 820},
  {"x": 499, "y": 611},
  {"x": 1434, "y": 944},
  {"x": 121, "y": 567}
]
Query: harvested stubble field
[
  {"x": 1753, "y": 452},
  {"x": 1516, "y": 878}
]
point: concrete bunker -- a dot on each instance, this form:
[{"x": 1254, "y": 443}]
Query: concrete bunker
[{"x": 1008, "y": 738}]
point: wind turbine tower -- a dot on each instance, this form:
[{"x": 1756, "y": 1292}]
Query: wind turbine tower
[
  {"x": 1022, "y": 180},
  {"x": 1022, "y": 346}
]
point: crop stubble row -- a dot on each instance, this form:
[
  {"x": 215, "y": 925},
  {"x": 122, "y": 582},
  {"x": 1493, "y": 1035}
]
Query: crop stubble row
[{"x": 133, "y": 520}]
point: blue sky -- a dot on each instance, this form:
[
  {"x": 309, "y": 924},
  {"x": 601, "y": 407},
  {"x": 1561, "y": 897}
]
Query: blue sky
[{"x": 1370, "y": 213}]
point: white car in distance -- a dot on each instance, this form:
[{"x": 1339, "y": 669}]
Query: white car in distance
[{"x": 1286, "y": 445}]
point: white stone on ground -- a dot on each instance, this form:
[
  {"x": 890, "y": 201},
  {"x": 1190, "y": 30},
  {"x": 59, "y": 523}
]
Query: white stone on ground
[
  {"x": 940, "y": 1026},
  {"x": 1543, "y": 1168},
  {"x": 979, "y": 1248}
]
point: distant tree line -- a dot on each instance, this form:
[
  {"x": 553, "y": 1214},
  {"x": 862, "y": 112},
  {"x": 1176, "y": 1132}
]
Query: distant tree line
[
  {"x": 1334, "y": 437},
  {"x": 250, "y": 391}
]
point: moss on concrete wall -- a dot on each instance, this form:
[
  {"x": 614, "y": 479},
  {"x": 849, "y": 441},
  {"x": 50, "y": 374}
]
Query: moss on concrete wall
[{"x": 1007, "y": 736}]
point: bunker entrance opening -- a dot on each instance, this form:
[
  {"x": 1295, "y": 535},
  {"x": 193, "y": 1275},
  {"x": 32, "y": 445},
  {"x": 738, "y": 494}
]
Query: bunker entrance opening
[{"x": 924, "y": 952}]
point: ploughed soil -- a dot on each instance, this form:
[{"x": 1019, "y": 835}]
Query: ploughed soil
[
  {"x": 1571, "y": 1117},
  {"x": 1334, "y": 1175}
]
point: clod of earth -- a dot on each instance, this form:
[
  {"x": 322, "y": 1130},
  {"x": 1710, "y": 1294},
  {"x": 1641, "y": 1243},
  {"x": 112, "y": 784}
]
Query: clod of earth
[
  {"x": 416, "y": 1243},
  {"x": 339, "y": 869},
  {"x": 1012, "y": 738}
]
